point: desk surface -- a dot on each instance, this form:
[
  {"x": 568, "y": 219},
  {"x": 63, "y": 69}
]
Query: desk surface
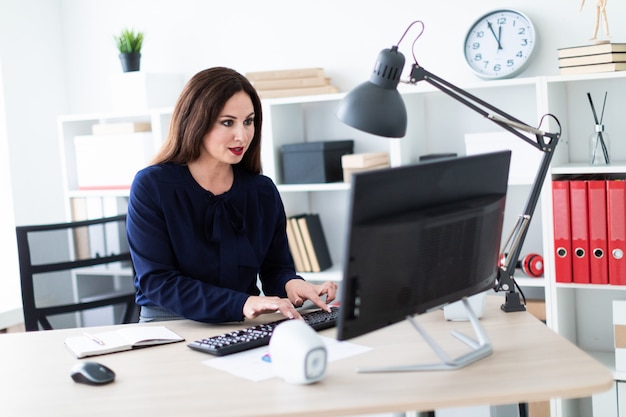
[{"x": 530, "y": 363}]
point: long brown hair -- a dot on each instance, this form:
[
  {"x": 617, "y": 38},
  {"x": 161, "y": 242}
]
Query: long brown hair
[{"x": 196, "y": 110}]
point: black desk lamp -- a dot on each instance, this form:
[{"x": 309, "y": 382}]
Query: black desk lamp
[{"x": 377, "y": 107}]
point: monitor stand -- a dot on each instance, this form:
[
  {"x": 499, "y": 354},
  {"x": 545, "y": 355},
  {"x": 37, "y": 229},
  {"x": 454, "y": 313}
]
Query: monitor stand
[{"x": 480, "y": 349}]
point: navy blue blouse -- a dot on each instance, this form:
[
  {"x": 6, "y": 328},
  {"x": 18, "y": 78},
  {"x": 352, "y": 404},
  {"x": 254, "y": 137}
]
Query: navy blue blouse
[{"x": 198, "y": 255}]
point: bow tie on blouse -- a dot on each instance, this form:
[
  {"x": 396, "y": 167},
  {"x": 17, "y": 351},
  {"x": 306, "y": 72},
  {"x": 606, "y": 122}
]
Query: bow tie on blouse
[{"x": 225, "y": 225}]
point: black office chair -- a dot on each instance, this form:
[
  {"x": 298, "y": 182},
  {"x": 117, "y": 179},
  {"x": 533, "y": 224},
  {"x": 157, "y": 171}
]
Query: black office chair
[{"x": 79, "y": 272}]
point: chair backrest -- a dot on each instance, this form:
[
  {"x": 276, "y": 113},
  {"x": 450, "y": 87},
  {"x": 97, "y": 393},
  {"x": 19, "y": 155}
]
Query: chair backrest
[{"x": 76, "y": 274}]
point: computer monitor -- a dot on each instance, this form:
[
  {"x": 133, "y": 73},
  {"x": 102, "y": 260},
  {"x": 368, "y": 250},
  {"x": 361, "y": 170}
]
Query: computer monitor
[{"x": 419, "y": 237}]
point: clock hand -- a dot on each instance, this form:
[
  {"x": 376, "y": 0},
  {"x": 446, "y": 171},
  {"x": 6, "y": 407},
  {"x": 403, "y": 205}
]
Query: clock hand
[
  {"x": 490, "y": 26},
  {"x": 499, "y": 37}
]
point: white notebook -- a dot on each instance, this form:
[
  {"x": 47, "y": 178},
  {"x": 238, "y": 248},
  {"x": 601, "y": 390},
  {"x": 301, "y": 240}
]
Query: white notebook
[{"x": 126, "y": 338}]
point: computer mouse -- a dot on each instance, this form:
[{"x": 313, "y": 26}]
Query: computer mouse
[{"x": 92, "y": 373}]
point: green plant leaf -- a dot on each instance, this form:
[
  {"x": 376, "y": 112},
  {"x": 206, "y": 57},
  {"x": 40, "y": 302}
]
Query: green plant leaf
[{"x": 129, "y": 41}]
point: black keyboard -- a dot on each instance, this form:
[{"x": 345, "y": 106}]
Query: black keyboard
[{"x": 259, "y": 335}]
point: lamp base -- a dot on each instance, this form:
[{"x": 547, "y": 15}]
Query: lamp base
[{"x": 512, "y": 303}]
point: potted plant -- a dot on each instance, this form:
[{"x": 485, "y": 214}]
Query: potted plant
[{"x": 129, "y": 45}]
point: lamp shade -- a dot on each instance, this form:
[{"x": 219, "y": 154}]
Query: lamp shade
[{"x": 376, "y": 106}]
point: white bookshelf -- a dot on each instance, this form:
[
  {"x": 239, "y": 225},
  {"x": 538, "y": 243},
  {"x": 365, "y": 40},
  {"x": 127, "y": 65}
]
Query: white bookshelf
[{"x": 438, "y": 124}]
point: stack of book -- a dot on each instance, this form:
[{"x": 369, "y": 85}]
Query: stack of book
[
  {"x": 586, "y": 59},
  {"x": 307, "y": 243},
  {"x": 359, "y": 162},
  {"x": 291, "y": 82}
]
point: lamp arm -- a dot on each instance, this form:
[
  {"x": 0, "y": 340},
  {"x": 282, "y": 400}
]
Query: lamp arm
[
  {"x": 545, "y": 142},
  {"x": 505, "y": 280}
]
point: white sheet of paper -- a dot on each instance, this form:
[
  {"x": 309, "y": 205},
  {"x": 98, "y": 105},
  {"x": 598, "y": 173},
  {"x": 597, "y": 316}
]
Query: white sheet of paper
[{"x": 254, "y": 364}]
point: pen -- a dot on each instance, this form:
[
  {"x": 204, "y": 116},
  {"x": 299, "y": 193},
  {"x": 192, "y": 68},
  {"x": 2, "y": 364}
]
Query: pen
[{"x": 94, "y": 338}]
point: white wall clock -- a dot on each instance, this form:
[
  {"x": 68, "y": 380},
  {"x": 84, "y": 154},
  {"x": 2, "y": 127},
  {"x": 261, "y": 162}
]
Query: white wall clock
[{"x": 500, "y": 44}]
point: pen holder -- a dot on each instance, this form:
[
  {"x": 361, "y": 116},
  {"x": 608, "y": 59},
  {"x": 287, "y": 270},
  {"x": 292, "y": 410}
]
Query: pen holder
[{"x": 599, "y": 147}]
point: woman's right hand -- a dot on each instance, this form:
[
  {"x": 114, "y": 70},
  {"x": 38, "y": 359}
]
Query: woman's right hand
[{"x": 256, "y": 305}]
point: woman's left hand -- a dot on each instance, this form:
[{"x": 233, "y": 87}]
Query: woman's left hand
[{"x": 298, "y": 291}]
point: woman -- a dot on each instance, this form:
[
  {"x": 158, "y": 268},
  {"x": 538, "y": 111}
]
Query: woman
[{"x": 203, "y": 223}]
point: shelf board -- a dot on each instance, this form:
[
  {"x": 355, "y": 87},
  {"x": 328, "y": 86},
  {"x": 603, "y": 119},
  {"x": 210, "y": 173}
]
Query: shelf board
[
  {"x": 334, "y": 273},
  {"x": 607, "y": 287},
  {"x": 304, "y": 99},
  {"x": 404, "y": 88},
  {"x": 530, "y": 282},
  {"x": 121, "y": 115},
  {"x": 98, "y": 193},
  {"x": 616, "y": 167},
  {"x": 586, "y": 77},
  {"x": 102, "y": 270},
  {"x": 331, "y": 186}
]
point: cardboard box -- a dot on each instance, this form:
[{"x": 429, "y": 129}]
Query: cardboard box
[
  {"x": 539, "y": 409},
  {"x": 619, "y": 332},
  {"x": 348, "y": 172},
  {"x": 314, "y": 162},
  {"x": 365, "y": 160},
  {"x": 111, "y": 161},
  {"x": 359, "y": 162},
  {"x": 537, "y": 308}
]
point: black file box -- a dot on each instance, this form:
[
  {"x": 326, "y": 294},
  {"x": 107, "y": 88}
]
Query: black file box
[{"x": 314, "y": 162}]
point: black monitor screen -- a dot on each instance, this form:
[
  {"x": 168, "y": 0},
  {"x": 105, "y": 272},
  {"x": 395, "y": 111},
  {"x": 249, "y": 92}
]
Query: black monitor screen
[{"x": 421, "y": 236}]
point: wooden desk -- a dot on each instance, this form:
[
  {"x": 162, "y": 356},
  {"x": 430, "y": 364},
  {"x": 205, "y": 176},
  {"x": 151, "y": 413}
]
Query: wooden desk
[{"x": 530, "y": 363}]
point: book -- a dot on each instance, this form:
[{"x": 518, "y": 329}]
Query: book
[
  {"x": 364, "y": 160},
  {"x": 597, "y": 211},
  {"x": 308, "y": 245},
  {"x": 592, "y": 59},
  {"x": 562, "y": 231},
  {"x": 286, "y": 73},
  {"x": 315, "y": 242},
  {"x": 600, "y": 48},
  {"x": 616, "y": 230},
  {"x": 295, "y": 92},
  {"x": 306, "y": 264},
  {"x": 81, "y": 235},
  {"x": 283, "y": 83},
  {"x": 590, "y": 69},
  {"x": 116, "y": 128},
  {"x": 293, "y": 247},
  {"x": 579, "y": 217},
  {"x": 123, "y": 339}
]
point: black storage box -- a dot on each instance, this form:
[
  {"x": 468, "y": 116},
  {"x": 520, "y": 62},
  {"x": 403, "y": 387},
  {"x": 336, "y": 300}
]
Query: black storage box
[{"x": 314, "y": 162}]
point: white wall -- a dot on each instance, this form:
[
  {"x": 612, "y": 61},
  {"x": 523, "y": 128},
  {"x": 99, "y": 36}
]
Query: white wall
[
  {"x": 59, "y": 57},
  {"x": 33, "y": 84},
  {"x": 34, "y": 87},
  {"x": 342, "y": 36},
  {"x": 10, "y": 301}
]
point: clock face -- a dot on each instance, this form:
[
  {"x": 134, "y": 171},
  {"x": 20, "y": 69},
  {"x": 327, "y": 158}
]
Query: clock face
[{"x": 499, "y": 44}]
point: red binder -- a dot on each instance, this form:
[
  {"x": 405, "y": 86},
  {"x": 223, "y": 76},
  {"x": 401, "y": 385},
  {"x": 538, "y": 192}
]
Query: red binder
[
  {"x": 616, "y": 230},
  {"x": 580, "y": 231},
  {"x": 598, "y": 263},
  {"x": 562, "y": 231}
]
